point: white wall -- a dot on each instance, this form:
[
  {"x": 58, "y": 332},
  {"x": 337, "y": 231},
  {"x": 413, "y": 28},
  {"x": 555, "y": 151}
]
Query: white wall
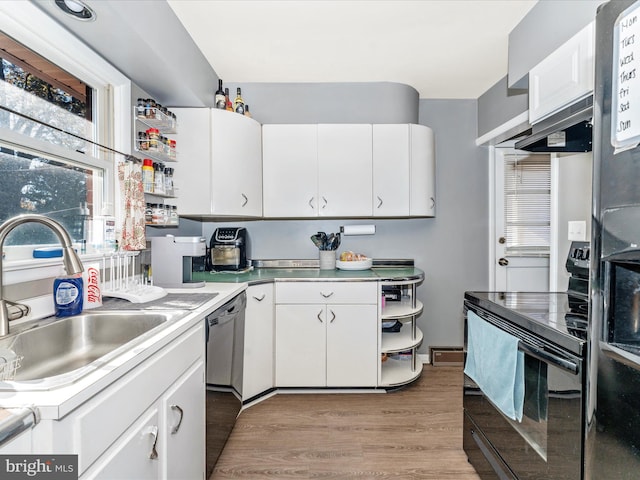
[{"x": 573, "y": 203}]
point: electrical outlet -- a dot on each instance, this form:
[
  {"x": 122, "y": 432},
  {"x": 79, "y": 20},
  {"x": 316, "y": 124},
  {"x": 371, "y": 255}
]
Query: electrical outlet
[{"x": 578, "y": 231}]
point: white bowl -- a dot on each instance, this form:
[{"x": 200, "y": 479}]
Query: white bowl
[{"x": 355, "y": 264}]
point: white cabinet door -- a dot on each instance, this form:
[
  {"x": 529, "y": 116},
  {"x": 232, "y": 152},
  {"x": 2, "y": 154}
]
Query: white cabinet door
[
  {"x": 258, "y": 341},
  {"x": 301, "y": 346},
  {"x": 563, "y": 77},
  {"x": 136, "y": 454},
  {"x": 352, "y": 345},
  {"x": 390, "y": 170},
  {"x": 290, "y": 170},
  {"x": 344, "y": 170},
  {"x": 193, "y": 171},
  {"x": 183, "y": 434},
  {"x": 422, "y": 172},
  {"x": 236, "y": 172}
]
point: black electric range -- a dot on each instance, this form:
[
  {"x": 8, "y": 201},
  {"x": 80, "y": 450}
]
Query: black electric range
[{"x": 552, "y": 331}]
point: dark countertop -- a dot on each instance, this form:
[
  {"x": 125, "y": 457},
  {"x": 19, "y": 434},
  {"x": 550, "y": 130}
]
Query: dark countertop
[
  {"x": 547, "y": 314},
  {"x": 264, "y": 275}
]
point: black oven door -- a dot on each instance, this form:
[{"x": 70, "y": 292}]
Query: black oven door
[{"x": 548, "y": 442}]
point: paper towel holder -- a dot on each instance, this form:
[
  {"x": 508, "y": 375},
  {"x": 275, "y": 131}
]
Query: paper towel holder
[{"x": 358, "y": 229}]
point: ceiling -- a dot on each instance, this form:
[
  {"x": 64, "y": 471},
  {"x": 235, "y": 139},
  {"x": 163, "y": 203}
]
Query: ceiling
[{"x": 442, "y": 48}]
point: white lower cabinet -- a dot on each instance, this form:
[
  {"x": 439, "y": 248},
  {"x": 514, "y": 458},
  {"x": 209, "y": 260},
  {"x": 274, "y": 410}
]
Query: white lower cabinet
[
  {"x": 134, "y": 456},
  {"x": 258, "y": 341},
  {"x": 328, "y": 344},
  {"x": 183, "y": 433}
]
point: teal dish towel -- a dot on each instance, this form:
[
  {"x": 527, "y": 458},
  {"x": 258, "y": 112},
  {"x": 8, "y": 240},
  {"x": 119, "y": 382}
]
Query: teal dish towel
[{"x": 496, "y": 365}]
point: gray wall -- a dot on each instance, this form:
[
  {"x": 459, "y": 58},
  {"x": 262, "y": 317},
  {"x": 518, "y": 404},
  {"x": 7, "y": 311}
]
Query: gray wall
[
  {"x": 364, "y": 102},
  {"x": 498, "y": 105},
  {"x": 450, "y": 248},
  {"x": 548, "y": 25}
]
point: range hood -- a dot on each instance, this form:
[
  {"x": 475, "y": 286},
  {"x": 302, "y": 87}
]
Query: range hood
[{"x": 569, "y": 130}]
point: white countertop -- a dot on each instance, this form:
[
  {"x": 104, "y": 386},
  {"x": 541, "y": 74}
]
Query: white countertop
[{"x": 56, "y": 402}]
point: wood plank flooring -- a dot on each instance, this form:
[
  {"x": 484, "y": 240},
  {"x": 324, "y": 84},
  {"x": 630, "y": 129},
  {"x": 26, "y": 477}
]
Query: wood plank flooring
[{"x": 413, "y": 433}]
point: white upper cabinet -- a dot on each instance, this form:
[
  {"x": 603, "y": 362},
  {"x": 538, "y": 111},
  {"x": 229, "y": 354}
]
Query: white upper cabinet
[
  {"x": 344, "y": 173},
  {"x": 422, "y": 202},
  {"x": 236, "y": 158},
  {"x": 317, "y": 170},
  {"x": 391, "y": 170},
  {"x": 290, "y": 170},
  {"x": 222, "y": 156},
  {"x": 403, "y": 171},
  {"x": 563, "y": 77}
]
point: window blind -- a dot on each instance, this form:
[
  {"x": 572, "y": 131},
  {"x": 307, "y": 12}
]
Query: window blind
[{"x": 527, "y": 204}]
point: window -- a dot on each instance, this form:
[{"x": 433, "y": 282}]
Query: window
[
  {"x": 52, "y": 83},
  {"x": 527, "y": 204}
]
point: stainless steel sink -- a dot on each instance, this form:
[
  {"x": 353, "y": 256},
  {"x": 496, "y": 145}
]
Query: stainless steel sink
[{"x": 77, "y": 345}]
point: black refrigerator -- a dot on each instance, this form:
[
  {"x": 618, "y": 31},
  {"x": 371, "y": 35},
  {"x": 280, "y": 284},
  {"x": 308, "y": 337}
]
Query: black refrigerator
[{"x": 612, "y": 432}]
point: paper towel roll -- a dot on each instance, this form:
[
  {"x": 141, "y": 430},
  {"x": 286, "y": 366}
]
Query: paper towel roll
[{"x": 358, "y": 229}]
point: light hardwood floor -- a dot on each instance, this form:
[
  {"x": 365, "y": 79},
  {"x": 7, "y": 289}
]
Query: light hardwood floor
[{"x": 413, "y": 433}]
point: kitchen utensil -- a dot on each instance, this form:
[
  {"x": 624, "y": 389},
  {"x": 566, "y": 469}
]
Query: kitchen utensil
[{"x": 317, "y": 241}]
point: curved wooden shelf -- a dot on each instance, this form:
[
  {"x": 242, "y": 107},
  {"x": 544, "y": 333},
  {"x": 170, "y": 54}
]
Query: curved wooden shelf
[
  {"x": 401, "y": 309},
  {"x": 400, "y": 341},
  {"x": 398, "y": 372}
]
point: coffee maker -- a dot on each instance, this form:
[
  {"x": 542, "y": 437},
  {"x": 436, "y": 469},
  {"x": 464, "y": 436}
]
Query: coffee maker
[
  {"x": 229, "y": 250},
  {"x": 172, "y": 260}
]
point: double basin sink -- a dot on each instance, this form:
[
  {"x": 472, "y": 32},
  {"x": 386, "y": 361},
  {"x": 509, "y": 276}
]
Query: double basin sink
[{"x": 59, "y": 351}]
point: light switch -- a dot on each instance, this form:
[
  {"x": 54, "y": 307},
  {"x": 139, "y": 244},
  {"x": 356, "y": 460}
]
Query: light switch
[{"x": 578, "y": 231}]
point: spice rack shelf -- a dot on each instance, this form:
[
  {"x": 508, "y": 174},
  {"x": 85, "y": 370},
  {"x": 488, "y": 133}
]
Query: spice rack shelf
[
  {"x": 159, "y": 195},
  {"x": 154, "y": 148},
  {"x": 398, "y": 349},
  {"x": 157, "y": 119}
]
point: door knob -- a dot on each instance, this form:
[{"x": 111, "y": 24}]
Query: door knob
[{"x": 503, "y": 262}]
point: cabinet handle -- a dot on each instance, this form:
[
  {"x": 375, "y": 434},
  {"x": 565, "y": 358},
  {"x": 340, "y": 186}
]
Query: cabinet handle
[
  {"x": 245, "y": 199},
  {"x": 326, "y": 295},
  {"x": 433, "y": 202},
  {"x": 320, "y": 316},
  {"x": 311, "y": 203},
  {"x": 259, "y": 299},
  {"x": 176, "y": 427},
  {"x": 333, "y": 316},
  {"x": 325, "y": 203},
  {"x": 380, "y": 200},
  {"x": 153, "y": 431}
]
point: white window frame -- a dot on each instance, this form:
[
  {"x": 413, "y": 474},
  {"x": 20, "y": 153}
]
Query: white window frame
[
  {"x": 31, "y": 26},
  {"x": 28, "y": 24}
]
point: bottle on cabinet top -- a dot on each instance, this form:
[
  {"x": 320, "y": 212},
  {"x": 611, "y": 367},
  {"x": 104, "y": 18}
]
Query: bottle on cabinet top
[
  {"x": 220, "y": 98},
  {"x": 228, "y": 104},
  {"x": 238, "y": 103},
  {"x": 246, "y": 111}
]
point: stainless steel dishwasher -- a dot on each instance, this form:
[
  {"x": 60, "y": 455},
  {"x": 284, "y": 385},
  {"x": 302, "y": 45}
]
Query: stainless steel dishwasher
[{"x": 225, "y": 351}]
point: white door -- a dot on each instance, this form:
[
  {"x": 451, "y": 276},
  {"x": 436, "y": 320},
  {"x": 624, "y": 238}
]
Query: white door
[
  {"x": 391, "y": 170},
  {"x": 184, "y": 427},
  {"x": 290, "y": 170},
  {"x": 236, "y": 173},
  {"x": 301, "y": 353},
  {"x": 352, "y": 345},
  {"x": 258, "y": 341},
  {"x": 520, "y": 263},
  {"x": 344, "y": 170},
  {"x": 192, "y": 180},
  {"x": 423, "y": 172}
]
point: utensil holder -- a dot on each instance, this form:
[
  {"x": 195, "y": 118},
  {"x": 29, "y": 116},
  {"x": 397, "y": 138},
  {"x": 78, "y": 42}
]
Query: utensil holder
[{"x": 327, "y": 259}]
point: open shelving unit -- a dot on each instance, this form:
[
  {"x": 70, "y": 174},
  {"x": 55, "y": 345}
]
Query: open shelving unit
[{"x": 398, "y": 349}]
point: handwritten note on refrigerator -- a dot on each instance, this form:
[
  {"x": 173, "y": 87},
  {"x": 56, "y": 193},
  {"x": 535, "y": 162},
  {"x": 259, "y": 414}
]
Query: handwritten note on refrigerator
[{"x": 625, "y": 98}]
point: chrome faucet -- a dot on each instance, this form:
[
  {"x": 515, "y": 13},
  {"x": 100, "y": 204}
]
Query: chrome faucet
[{"x": 71, "y": 261}]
